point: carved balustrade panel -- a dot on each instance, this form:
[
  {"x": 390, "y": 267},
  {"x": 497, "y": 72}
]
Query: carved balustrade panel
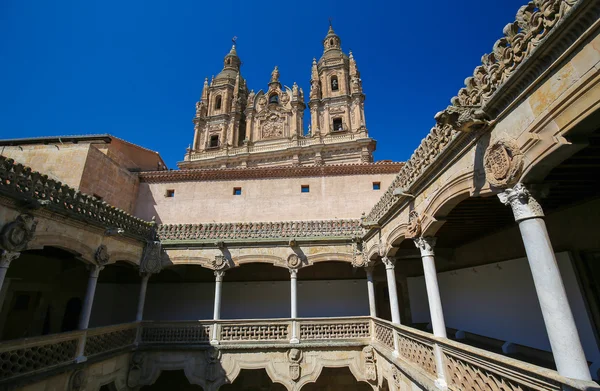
[
  {"x": 17, "y": 180},
  {"x": 418, "y": 352},
  {"x": 110, "y": 338},
  {"x": 334, "y": 330},
  {"x": 384, "y": 334},
  {"x": 254, "y": 332},
  {"x": 167, "y": 334}
]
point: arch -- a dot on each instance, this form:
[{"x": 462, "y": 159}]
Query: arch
[
  {"x": 253, "y": 379},
  {"x": 218, "y": 102},
  {"x": 274, "y": 98},
  {"x": 64, "y": 242},
  {"x": 130, "y": 258},
  {"x": 334, "y": 83},
  {"x": 258, "y": 258},
  {"x": 328, "y": 257}
]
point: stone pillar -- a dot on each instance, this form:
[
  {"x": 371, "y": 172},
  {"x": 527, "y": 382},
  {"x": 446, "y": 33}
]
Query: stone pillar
[
  {"x": 294, "y": 303},
  {"x": 426, "y": 245},
  {"x": 371, "y": 290},
  {"x": 86, "y": 311},
  {"x": 6, "y": 257},
  {"x": 142, "y": 299},
  {"x": 392, "y": 291},
  {"x": 219, "y": 274},
  {"x": 558, "y": 318}
]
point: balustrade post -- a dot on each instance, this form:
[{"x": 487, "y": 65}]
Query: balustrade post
[
  {"x": 6, "y": 257},
  {"x": 294, "y": 303},
  {"x": 142, "y": 298},
  {"x": 560, "y": 325},
  {"x": 371, "y": 291},
  {"x": 392, "y": 291},
  {"x": 86, "y": 311},
  {"x": 219, "y": 274}
]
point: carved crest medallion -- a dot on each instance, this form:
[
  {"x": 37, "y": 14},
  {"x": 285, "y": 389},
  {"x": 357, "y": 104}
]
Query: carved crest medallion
[
  {"x": 370, "y": 368},
  {"x": 102, "y": 256},
  {"x": 295, "y": 356},
  {"x": 272, "y": 127},
  {"x": 152, "y": 262},
  {"x": 414, "y": 225},
  {"x": 16, "y": 234},
  {"x": 503, "y": 162},
  {"x": 78, "y": 380},
  {"x": 293, "y": 261},
  {"x": 220, "y": 262}
]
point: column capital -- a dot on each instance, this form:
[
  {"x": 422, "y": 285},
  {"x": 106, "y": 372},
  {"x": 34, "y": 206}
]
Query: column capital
[
  {"x": 293, "y": 273},
  {"x": 369, "y": 267},
  {"x": 145, "y": 275},
  {"x": 523, "y": 205},
  {"x": 219, "y": 274},
  {"x": 425, "y": 244},
  {"x": 388, "y": 262},
  {"x": 6, "y": 257},
  {"x": 95, "y": 270}
]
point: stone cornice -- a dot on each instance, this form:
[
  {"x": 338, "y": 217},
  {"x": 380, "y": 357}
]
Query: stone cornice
[{"x": 270, "y": 172}]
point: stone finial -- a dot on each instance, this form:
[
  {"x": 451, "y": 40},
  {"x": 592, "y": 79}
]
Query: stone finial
[
  {"x": 462, "y": 118},
  {"x": 275, "y": 75}
]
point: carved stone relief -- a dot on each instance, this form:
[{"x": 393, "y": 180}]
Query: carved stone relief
[
  {"x": 503, "y": 163},
  {"x": 16, "y": 234},
  {"x": 295, "y": 356},
  {"x": 102, "y": 256},
  {"x": 414, "y": 225},
  {"x": 152, "y": 261}
]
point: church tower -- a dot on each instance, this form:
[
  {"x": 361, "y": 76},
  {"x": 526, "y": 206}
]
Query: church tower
[
  {"x": 336, "y": 97},
  {"x": 220, "y": 122}
]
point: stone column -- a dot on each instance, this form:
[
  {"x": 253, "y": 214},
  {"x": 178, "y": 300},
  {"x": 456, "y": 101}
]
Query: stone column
[
  {"x": 426, "y": 245},
  {"x": 371, "y": 290},
  {"x": 294, "y": 303},
  {"x": 393, "y": 293},
  {"x": 86, "y": 311},
  {"x": 558, "y": 318},
  {"x": 219, "y": 274},
  {"x": 142, "y": 299},
  {"x": 6, "y": 257}
]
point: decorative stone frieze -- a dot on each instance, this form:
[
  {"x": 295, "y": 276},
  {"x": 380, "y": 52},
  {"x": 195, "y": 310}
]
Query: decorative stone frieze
[
  {"x": 295, "y": 357},
  {"x": 370, "y": 367},
  {"x": 523, "y": 205},
  {"x": 101, "y": 255},
  {"x": 414, "y": 225},
  {"x": 425, "y": 244},
  {"x": 503, "y": 163},
  {"x": 15, "y": 235},
  {"x": 152, "y": 260},
  {"x": 463, "y": 119}
]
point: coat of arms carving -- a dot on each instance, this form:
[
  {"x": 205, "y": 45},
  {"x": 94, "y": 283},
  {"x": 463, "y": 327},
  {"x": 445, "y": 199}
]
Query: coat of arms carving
[
  {"x": 272, "y": 127},
  {"x": 503, "y": 162}
]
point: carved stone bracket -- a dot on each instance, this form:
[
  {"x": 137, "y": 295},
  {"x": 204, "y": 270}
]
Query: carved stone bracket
[
  {"x": 6, "y": 257},
  {"x": 426, "y": 245},
  {"x": 463, "y": 118},
  {"x": 370, "y": 367},
  {"x": 16, "y": 235},
  {"x": 414, "y": 225},
  {"x": 503, "y": 163},
  {"x": 101, "y": 255},
  {"x": 523, "y": 205}
]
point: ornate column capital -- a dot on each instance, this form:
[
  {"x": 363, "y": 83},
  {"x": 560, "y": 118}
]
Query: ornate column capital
[
  {"x": 6, "y": 257},
  {"x": 95, "y": 270},
  {"x": 425, "y": 244},
  {"x": 523, "y": 205},
  {"x": 293, "y": 273},
  {"x": 388, "y": 262},
  {"x": 219, "y": 274}
]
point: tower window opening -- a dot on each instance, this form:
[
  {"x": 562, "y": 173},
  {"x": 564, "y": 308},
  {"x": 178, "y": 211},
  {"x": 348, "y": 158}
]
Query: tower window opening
[
  {"x": 331, "y": 42},
  {"x": 334, "y": 83},
  {"x": 337, "y": 125},
  {"x": 228, "y": 61},
  {"x": 214, "y": 141},
  {"x": 218, "y": 103},
  {"x": 274, "y": 99}
]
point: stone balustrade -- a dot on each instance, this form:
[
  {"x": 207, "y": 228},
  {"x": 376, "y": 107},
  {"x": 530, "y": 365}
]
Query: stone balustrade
[
  {"x": 410, "y": 350},
  {"x": 22, "y": 183},
  {"x": 348, "y": 229}
]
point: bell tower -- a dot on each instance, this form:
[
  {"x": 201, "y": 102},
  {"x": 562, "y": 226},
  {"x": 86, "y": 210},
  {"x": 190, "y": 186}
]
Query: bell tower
[
  {"x": 336, "y": 97},
  {"x": 220, "y": 122}
]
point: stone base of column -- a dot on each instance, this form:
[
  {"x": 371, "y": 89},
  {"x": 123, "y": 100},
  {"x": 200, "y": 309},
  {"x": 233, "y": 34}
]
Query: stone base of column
[
  {"x": 214, "y": 342},
  {"x": 294, "y": 340}
]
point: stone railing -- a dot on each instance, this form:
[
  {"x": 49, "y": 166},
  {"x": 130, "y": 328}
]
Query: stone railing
[
  {"x": 534, "y": 22},
  {"x": 261, "y": 230},
  {"x": 20, "y": 182},
  {"x": 413, "y": 352}
]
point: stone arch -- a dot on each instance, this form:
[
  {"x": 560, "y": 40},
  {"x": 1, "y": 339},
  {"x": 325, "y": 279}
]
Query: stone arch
[
  {"x": 187, "y": 362},
  {"x": 352, "y": 363},
  {"x": 258, "y": 258},
  {"x": 64, "y": 242},
  {"x": 233, "y": 365},
  {"x": 329, "y": 257},
  {"x": 124, "y": 256}
]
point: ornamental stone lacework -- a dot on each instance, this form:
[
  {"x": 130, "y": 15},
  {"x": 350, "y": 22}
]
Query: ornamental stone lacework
[
  {"x": 384, "y": 334},
  {"x": 310, "y": 331},
  {"x": 109, "y": 341},
  {"x": 254, "y": 332},
  {"x": 17, "y": 180},
  {"x": 417, "y": 352},
  {"x": 176, "y": 334},
  {"x": 262, "y": 230},
  {"x": 534, "y": 22},
  {"x": 29, "y": 359}
]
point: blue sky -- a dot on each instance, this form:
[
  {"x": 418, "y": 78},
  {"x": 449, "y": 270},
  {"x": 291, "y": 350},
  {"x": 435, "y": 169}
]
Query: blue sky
[{"x": 135, "y": 69}]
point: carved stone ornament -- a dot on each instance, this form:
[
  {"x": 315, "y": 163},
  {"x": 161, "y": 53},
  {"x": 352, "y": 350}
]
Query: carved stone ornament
[
  {"x": 295, "y": 356},
  {"x": 426, "y": 245},
  {"x": 219, "y": 263},
  {"x": 6, "y": 257},
  {"x": 523, "y": 205},
  {"x": 213, "y": 369},
  {"x": 272, "y": 127},
  {"x": 414, "y": 225},
  {"x": 78, "y": 380},
  {"x": 152, "y": 261},
  {"x": 503, "y": 163},
  {"x": 16, "y": 234},
  {"x": 388, "y": 262},
  {"x": 462, "y": 118},
  {"x": 102, "y": 256},
  {"x": 370, "y": 367},
  {"x": 293, "y": 261},
  {"x": 359, "y": 258},
  {"x": 135, "y": 369}
]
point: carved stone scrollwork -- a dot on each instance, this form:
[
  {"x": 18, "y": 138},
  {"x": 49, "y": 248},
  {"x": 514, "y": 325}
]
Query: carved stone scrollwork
[
  {"x": 152, "y": 261},
  {"x": 414, "y": 225},
  {"x": 503, "y": 163},
  {"x": 462, "y": 118},
  {"x": 523, "y": 205},
  {"x": 102, "y": 256},
  {"x": 293, "y": 261},
  {"x": 295, "y": 357},
  {"x": 78, "y": 380},
  {"x": 388, "y": 262},
  {"x": 370, "y": 367},
  {"x": 16, "y": 235},
  {"x": 220, "y": 262}
]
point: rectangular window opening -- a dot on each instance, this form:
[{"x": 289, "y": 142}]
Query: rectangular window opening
[
  {"x": 376, "y": 185},
  {"x": 214, "y": 141},
  {"x": 305, "y": 188},
  {"x": 170, "y": 193},
  {"x": 237, "y": 191},
  {"x": 337, "y": 125}
]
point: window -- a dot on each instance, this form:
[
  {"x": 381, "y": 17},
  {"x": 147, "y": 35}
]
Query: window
[
  {"x": 214, "y": 141},
  {"x": 376, "y": 185},
  {"x": 305, "y": 189},
  {"x": 334, "y": 83},
  {"x": 218, "y": 103},
  {"x": 337, "y": 125},
  {"x": 170, "y": 193},
  {"x": 331, "y": 42},
  {"x": 274, "y": 99},
  {"x": 237, "y": 191}
]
